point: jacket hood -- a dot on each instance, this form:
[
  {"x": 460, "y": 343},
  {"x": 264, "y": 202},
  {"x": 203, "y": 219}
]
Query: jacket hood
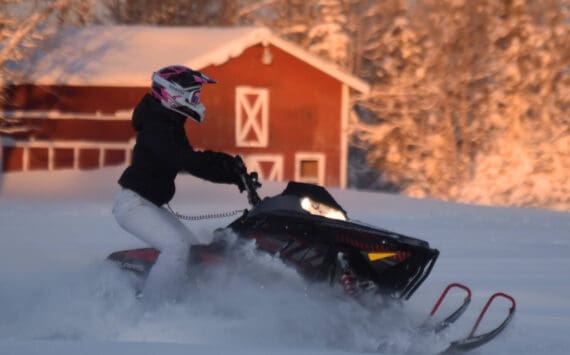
[{"x": 149, "y": 109}]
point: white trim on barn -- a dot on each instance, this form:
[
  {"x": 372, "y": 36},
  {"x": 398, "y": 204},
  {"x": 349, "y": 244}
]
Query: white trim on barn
[
  {"x": 319, "y": 158},
  {"x": 254, "y": 163},
  {"x": 4, "y": 140},
  {"x": 344, "y": 118},
  {"x": 123, "y": 115},
  {"x": 252, "y": 118},
  {"x": 77, "y": 146}
]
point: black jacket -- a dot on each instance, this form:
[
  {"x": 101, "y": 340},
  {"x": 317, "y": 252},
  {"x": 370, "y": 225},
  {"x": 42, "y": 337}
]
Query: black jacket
[{"x": 162, "y": 150}]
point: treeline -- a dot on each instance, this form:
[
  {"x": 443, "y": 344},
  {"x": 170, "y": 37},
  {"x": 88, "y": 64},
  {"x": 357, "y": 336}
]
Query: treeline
[{"x": 470, "y": 99}]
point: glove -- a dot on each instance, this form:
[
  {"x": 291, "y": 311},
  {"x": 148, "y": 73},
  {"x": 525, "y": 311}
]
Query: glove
[
  {"x": 233, "y": 168},
  {"x": 239, "y": 169},
  {"x": 240, "y": 184}
]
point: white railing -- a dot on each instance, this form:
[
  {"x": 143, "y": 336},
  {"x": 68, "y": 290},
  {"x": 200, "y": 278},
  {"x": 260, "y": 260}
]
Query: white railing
[
  {"x": 101, "y": 147},
  {"x": 123, "y": 115}
]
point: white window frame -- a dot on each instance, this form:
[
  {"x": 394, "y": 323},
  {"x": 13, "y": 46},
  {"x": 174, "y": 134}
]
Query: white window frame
[
  {"x": 253, "y": 162},
  {"x": 75, "y": 145},
  {"x": 321, "y": 161},
  {"x": 252, "y": 117}
]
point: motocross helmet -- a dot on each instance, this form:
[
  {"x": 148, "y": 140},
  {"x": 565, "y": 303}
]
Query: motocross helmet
[{"x": 178, "y": 89}]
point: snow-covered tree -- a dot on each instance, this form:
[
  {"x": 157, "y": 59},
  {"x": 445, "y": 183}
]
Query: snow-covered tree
[
  {"x": 526, "y": 158},
  {"x": 180, "y": 12},
  {"x": 395, "y": 127},
  {"x": 470, "y": 101},
  {"x": 328, "y": 37},
  {"x": 24, "y": 24},
  {"x": 289, "y": 19}
]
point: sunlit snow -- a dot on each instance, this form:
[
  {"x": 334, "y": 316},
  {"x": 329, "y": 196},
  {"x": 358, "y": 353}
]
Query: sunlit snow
[{"x": 58, "y": 295}]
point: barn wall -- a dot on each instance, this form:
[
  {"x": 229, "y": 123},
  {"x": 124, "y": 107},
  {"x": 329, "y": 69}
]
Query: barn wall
[
  {"x": 304, "y": 109},
  {"x": 81, "y": 129},
  {"x": 80, "y": 99},
  {"x": 83, "y": 132}
]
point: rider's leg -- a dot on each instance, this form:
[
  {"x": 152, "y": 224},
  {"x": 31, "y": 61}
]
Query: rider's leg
[{"x": 163, "y": 231}]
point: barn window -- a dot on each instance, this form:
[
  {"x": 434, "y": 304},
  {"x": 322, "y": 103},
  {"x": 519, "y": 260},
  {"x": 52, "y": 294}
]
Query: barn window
[
  {"x": 89, "y": 158},
  {"x": 64, "y": 158},
  {"x": 12, "y": 158},
  {"x": 310, "y": 167},
  {"x": 268, "y": 166},
  {"x": 114, "y": 157},
  {"x": 38, "y": 158},
  {"x": 252, "y": 117}
]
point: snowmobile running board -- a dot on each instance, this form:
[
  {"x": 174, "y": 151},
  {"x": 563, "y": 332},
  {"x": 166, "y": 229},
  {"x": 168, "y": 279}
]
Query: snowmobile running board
[{"x": 472, "y": 341}]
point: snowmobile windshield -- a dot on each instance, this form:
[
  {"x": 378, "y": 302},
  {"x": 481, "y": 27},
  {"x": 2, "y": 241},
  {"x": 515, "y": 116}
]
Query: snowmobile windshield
[
  {"x": 316, "y": 200},
  {"x": 320, "y": 209}
]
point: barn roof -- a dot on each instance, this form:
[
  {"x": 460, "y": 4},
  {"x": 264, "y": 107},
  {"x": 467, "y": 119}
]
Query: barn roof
[{"x": 126, "y": 55}]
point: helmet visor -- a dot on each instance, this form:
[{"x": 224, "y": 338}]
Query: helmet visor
[{"x": 192, "y": 95}]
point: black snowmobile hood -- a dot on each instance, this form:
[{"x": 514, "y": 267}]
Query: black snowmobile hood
[{"x": 149, "y": 109}]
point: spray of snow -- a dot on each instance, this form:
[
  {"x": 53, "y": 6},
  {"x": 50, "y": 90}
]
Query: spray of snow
[{"x": 58, "y": 294}]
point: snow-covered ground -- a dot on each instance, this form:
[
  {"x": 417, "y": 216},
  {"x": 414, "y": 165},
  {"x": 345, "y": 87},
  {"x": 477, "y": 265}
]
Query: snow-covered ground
[{"x": 59, "y": 296}]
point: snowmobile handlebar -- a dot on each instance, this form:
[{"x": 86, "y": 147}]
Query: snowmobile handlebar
[{"x": 250, "y": 182}]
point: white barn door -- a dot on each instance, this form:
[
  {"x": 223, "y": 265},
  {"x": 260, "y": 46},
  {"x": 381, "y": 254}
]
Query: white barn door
[{"x": 252, "y": 117}]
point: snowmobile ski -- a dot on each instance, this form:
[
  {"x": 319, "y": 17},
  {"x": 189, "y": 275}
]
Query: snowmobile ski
[
  {"x": 473, "y": 341},
  {"x": 451, "y": 318}
]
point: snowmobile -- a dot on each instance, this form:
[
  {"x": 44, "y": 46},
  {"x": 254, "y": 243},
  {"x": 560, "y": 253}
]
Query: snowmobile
[{"x": 307, "y": 229}]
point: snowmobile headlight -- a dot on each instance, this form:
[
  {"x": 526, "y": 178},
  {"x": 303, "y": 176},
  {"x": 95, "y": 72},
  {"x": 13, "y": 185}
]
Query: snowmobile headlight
[{"x": 320, "y": 209}]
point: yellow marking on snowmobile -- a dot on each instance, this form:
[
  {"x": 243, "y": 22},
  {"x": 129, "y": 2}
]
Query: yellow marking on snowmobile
[{"x": 378, "y": 256}]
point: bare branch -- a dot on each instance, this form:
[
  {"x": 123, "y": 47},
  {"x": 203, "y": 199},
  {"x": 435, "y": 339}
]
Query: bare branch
[{"x": 27, "y": 28}]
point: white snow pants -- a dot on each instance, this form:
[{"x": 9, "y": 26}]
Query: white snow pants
[{"x": 163, "y": 231}]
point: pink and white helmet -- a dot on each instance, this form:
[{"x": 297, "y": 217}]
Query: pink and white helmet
[{"x": 178, "y": 89}]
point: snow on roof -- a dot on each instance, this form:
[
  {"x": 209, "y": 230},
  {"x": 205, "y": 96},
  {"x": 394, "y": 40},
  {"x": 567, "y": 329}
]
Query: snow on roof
[{"x": 127, "y": 55}]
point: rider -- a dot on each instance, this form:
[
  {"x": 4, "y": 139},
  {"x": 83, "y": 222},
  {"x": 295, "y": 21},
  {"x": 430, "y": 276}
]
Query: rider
[{"x": 162, "y": 150}]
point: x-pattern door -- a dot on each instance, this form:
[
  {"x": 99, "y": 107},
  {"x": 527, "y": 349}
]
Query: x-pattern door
[{"x": 252, "y": 117}]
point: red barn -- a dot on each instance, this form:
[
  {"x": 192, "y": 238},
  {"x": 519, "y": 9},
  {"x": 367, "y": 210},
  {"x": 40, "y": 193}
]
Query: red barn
[{"x": 284, "y": 110}]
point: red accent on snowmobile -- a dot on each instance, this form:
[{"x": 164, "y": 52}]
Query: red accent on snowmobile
[
  {"x": 491, "y": 299},
  {"x": 444, "y": 293},
  {"x": 473, "y": 341},
  {"x": 457, "y": 312},
  {"x": 266, "y": 244},
  {"x": 143, "y": 254},
  {"x": 210, "y": 258}
]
